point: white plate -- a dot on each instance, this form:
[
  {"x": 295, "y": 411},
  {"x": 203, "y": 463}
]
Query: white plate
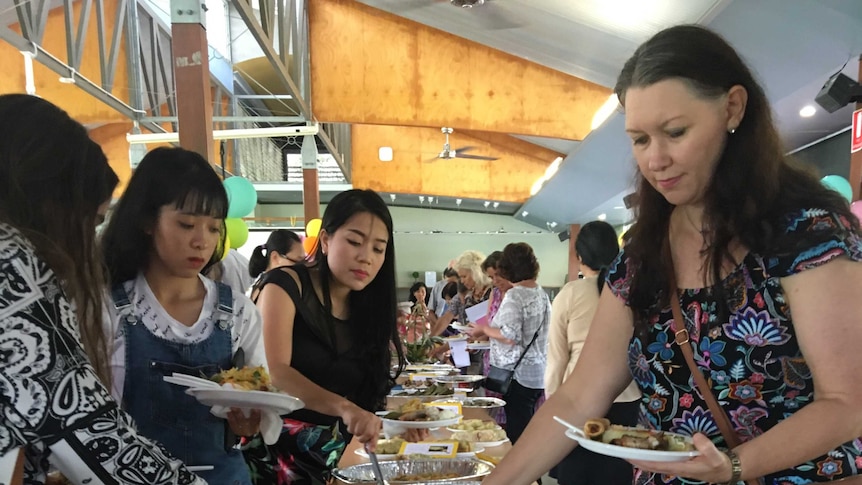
[
  {"x": 629, "y": 453},
  {"x": 491, "y": 402},
  {"x": 428, "y": 367},
  {"x": 274, "y": 401},
  {"x": 423, "y": 424},
  {"x": 459, "y": 327},
  {"x": 479, "y": 346},
  {"x": 458, "y": 379},
  {"x": 467, "y": 454}
]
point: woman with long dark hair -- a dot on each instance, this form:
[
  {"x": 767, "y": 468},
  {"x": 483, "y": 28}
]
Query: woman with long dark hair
[
  {"x": 282, "y": 248},
  {"x": 55, "y": 187},
  {"x": 760, "y": 262},
  {"x": 164, "y": 316},
  {"x": 329, "y": 331}
]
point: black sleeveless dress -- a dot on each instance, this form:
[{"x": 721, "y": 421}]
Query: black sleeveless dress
[{"x": 311, "y": 443}]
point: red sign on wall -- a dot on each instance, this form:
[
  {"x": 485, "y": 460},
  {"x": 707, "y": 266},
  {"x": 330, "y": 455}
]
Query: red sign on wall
[{"x": 856, "y": 132}]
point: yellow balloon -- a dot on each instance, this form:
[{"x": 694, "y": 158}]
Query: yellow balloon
[
  {"x": 226, "y": 248},
  {"x": 312, "y": 229}
]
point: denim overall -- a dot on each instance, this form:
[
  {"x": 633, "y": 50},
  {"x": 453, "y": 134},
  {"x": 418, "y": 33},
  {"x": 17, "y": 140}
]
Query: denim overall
[{"x": 164, "y": 412}]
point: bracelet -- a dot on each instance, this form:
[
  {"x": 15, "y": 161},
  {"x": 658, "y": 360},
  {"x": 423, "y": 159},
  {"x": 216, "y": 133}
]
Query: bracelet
[{"x": 735, "y": 467}]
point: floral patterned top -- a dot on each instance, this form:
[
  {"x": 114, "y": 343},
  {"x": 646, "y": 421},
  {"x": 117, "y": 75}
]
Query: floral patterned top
[{"x": 753, "y": 361}]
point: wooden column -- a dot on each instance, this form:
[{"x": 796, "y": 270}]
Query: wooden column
[
  {"x": 192, "y": 77},
  {"x": 310, "y": 181},
  {"x": 574, "y": 264},
  {"x": 856, "y": 158}
]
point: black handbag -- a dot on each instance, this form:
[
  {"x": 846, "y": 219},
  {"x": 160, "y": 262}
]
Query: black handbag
[{"x": 498, "y": 379}]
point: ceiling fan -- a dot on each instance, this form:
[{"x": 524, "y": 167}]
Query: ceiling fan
[
  {"x": 448, "y": 153},
  {"x": 490, "y": 14}
]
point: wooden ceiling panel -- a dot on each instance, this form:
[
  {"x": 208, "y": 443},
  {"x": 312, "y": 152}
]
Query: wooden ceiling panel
[{"x": 372, "y": 67}]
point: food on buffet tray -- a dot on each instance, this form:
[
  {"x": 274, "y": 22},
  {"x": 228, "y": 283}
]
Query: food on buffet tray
[
  {"x": 646, "y": 439},
  {"x": 428, "y": 414},
  {"x": 434, "y": 390},
  {"x": 481, "y": 436},
  {"x": 482, "y": 403},
  {"x": 474, "y": 425},
  {"x": 248, "y": 378},
  {"x": 415, "y": 477},
  {"x": 393, "y": 446}
]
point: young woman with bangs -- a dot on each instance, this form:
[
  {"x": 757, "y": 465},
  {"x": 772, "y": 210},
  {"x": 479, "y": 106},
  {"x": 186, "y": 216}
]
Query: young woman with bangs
[{"x": 164, "y": 316}]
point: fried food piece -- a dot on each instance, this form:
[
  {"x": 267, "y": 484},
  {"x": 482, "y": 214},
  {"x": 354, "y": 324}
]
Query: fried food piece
[{"x": 595, "y": 428}]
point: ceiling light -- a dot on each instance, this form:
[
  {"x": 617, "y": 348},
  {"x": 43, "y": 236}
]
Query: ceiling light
[
  {"x": 392, "y": 196},
  {"x": 487, "y": 203},
  {"x": 421, "y": 199},
  {"x": 605, "y": 111},
  {"x": 807, "y": 111},
  {"x": 227, "y": 134},
  {"x": 537, "y": 186},
  {"x": 553, "y": 224},
  {"x": 524, "y": 213},
  {"x": 385, "y": 154},
  {"x": 496, "y": 204},
  {"x": 602, "y": 216},
  {"x": 458, "y": 201}
]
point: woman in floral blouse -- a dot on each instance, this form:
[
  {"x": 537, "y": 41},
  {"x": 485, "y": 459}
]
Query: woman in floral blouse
[
  {"x": 766, "y": 262},
  {"x": 55, "y": 185}
]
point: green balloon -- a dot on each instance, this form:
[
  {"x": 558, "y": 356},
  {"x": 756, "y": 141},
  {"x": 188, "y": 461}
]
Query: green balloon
[
  {"x": 241, "y": 197},
  {"x": 838, "y": 184},
  {"x": 237, "y": 232}
]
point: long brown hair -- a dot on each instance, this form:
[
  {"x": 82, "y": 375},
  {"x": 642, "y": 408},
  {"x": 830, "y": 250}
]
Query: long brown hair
[
  {"x": 53, "y": 178},
  {"x": 754, "y": 188}
]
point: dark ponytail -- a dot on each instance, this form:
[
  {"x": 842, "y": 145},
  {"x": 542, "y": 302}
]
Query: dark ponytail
[{"x": 280, "y": 241}]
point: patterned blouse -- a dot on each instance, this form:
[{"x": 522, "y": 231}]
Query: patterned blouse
[
  {"x": 753, "y": 360},
  {"x": 51, "y": 401}
]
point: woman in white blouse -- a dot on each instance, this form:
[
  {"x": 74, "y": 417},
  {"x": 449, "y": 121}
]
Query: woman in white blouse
[
  {"x": 523, "y": 317},
  {"x": 571, "y": 315},
  {"x": 164, "y": 316}
]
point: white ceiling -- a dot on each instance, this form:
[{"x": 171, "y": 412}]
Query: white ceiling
[{"x": 792, "y": 45}]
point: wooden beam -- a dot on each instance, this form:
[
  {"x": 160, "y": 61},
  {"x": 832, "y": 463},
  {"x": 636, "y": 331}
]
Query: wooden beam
[{"x": 372, "y": 67}]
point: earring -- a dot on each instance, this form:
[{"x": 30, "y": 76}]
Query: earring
[{"x": 732, "y": 131}]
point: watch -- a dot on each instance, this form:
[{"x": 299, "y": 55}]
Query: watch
[{"x": 735, "y": 467}]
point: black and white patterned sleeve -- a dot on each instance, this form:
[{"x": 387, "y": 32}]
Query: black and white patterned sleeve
[{"x": 51, "y": 401}]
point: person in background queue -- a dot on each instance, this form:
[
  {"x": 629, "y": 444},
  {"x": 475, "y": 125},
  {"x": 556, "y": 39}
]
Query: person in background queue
[
  {"x": 571, "y": 315},
  {"x": 282, "y": 248}
]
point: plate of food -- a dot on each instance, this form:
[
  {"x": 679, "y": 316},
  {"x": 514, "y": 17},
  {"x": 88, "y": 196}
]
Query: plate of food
[
  {"x": 626, "y": 442},
  {"x": 417, "y": 471},
  {"x": 457, "y": 379},
  {"x": 415, "y": 414},
  {"x": 240, "y": 398},
  {"x": 475, "y": 402},
  {"x": 473, "y": 425},
  {"x": 246, "y": 388},
  {"x": 487, "y": 438}
]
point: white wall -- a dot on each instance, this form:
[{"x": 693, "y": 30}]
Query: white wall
[{"x": 432, "y": 251}]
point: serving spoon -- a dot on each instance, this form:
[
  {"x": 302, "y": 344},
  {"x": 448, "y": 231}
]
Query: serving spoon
[{"x": 375, "y": 465}]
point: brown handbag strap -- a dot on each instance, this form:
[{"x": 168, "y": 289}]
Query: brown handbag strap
[
  {"x": 682, "y": 341},
  {"x": 681, "y": 337}
]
